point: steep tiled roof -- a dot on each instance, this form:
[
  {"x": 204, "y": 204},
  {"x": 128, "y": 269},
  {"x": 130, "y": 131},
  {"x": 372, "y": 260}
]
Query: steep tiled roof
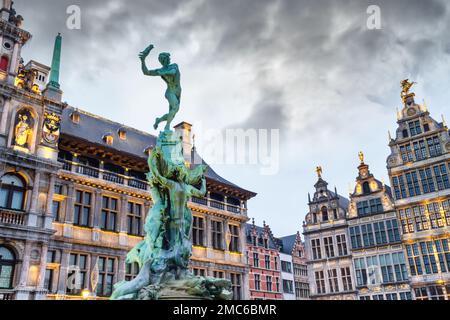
[{"x": 92, "y": 128}]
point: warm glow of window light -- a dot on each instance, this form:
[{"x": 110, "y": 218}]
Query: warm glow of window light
[{"x": 85, "y": 294}]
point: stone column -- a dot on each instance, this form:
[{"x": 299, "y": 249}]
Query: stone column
[
  {"x": 208, "y": 232},
  {"x": 25, "y": 265},
  {"x": 245, "y": 286},
  {"x": 5, "y": 115},
  {"x": 123, "y": 214},
  {"x": 226, "y": 235},
  {"x": 50, "y": 193},
  {"x": 63, "y": 271},
  {"x": 97, "y": 208},
  {"x": 70, "y": 204},
  {"x": 42, "y": 266},
  {"x": 35, "y": 192},
  {"x": 121, "y": 269},
  {"x": 49, "y": 205}
]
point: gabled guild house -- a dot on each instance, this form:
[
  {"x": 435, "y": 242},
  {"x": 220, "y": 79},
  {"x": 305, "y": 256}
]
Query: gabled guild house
[
  {"x": 73, "y": 192},
  {"x": 418, "y": 168}
]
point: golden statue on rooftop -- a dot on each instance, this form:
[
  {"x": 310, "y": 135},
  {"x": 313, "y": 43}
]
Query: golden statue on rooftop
[
  {"x": 319, "y": 171},
  {"x": 361, "y": 157},
  {"x": 406, "y": 87}
]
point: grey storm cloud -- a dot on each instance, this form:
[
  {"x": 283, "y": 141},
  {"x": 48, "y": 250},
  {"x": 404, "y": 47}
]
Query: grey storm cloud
[{"x": 308, "y": 67}]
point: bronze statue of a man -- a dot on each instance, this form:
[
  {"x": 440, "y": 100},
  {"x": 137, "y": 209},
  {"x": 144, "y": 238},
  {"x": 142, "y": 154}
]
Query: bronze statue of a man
[{"x": 171, "y": 75}]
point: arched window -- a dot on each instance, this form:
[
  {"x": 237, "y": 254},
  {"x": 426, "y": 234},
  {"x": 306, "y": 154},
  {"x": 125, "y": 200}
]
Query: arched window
[
  {"x": 324, "y": 214},
  {"x": 4, "y": 62},
  {"x": 7, "y": 265},
  {"x": 12, "y": 192},
  {"x": 366, "y": 188}
]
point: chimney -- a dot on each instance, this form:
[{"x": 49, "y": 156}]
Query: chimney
[{"x": 184, "y": 129}]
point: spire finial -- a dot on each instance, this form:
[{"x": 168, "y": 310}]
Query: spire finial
[
  {"x": 319, "y": 171},
  {"x": 361, "y": 157},
  {"x": 443, "y": 121},
  {"x": 56, "y": 63},
  {"x": 389, "y": 136}
]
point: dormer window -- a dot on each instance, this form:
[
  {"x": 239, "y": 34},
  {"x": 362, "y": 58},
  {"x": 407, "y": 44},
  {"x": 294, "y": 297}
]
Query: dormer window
[
  {"x": 122, "y": 134},
  {"x": 75, "y": 117},
  {"x": 108, "y": 139}
]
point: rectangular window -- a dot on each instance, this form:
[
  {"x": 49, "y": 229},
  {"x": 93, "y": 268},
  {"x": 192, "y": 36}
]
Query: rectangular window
[
  {"x": 355, "y": 237},
  {"x": 257, "y": 282},
  {"x": 399, "y": 187},
  {"x": 446, "y": 208},
  {"x": 329, "y": 247},
  {"x": 286, "y": 266},
  {"x": 315, "y": 246},
  {"x": 387, "y": 271},
  {"x": 106, "y": 273},
  {"x": 48, "y": 280},
  {"x": 415, "y": 128},
  {"x": 217, "y": 234},
  {"x": 440, "y": 173},
  {"x": 405, "y": 296},
  {"x": 109, "y": 214},
  {"x": 413, "y": 184},
  {"x": 198, "y": 230},
  {"x": 320, "y": 282},
  {"x": 415, "y": 264},
  {"x": 434, "y": 146},
  {"x": 78, "y": 270},
  {"x": 256, "y": 260},
  {"x": 367, "y": 235},
  {"x": 82, "y": 209},
  {"x": 434, "y": 213},
  {"x": 401, "y": 272},
  {"x": 267, "y": 262},
  {"x": 429, "y": 258},
  {"x": 56, "y": 211},
  {"x": 426, "y": 180},
  {"x": 236, "y": 285},
  {"x": 420, "y": 218},
  {"x": 333, "y": 280},
  {"x": 373, "y": 274},
  {"x": 421, "y": 293},
  {"x": 361, "y": 272},
  {"x": 392, "y": 230},
  {"x": 342, "y": 245},
  {"x": 134, "y": 219},
  {"x": 131, "y": 271},
  {"x": 199, "y": 272},
  {"x": 218, "y": 274},
  {"x": 420, "y": 150},
  {"x": 234, "y": 240},
  {"x": 406, "y": 153},
  {"x": 380, "y": 233},
  {"x": 391, "y": 296},
  {"x": 269, "y": 283},
  {"x": 346, "y": 279},
  {"x": 375, "y": 205},
  {"x": 288, "y": 286},
  {"x": 363, "y": 208}
]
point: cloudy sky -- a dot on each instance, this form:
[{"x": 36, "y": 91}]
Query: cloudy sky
[{"x": 311, "y": 69}]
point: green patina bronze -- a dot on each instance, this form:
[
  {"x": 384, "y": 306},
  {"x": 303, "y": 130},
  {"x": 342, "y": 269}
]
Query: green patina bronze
[
  {"x": 163, "y": 256},
  {"x": 56, "y": 62},
  {"x": 171, "y": 75}
]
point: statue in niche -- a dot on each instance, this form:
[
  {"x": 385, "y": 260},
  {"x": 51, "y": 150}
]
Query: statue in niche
[{"x": 23, "y": 130}]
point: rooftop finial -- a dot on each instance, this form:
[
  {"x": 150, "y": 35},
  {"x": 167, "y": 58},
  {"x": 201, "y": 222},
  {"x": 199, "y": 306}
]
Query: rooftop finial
[
  {"x": 56, "y": 63},
  {"x": 389, "y": 136},
  {"x": 361, "y": 157},
  {"x": 443, "y": 121},
  {"x": 319, "y": 171},
  {"x": 406, "y": 87}
]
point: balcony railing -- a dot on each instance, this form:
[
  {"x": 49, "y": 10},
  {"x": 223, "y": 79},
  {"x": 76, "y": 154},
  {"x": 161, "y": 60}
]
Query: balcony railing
[
  {"x": 12, "y": 217},
  {"x": 106, "y": 175},
  {"x": 219, "y": 205}
]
